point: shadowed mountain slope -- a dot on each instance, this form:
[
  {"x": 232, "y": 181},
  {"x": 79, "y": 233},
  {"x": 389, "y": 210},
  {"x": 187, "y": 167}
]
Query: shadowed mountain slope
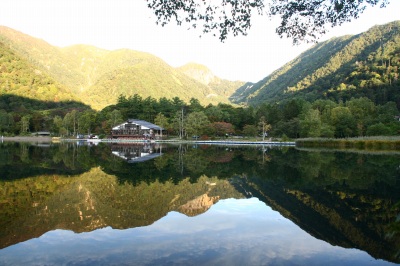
[{"x": 366, "y": 65}]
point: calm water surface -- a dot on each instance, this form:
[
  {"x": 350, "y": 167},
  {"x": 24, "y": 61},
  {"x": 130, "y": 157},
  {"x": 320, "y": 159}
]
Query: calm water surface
[{"x": 126, "y": 204}]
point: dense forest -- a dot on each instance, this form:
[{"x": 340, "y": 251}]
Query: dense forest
[
  {"x": 290, "y": 119},
  {"x": 364, "y": 65},
  {"x": 19, "y": 77},
  {"x": 344, "y": 87}
]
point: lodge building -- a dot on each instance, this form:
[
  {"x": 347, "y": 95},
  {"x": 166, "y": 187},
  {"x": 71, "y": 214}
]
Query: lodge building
[{"x": 136, "y": 129}]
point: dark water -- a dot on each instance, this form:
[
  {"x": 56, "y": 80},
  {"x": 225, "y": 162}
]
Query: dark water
[{"x": 79, "y": 204}]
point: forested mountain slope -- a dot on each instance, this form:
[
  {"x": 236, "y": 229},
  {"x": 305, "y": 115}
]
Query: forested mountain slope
[
  {"x": 338, "y": 69},
  {"x": 129, "y": 72},
  {"x": 98, "y": 76},
  {"x": 21, "y": 78}
]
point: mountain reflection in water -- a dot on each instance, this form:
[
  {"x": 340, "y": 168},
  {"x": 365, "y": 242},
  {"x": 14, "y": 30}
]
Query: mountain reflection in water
[
  {"x": 188, "y": 206},
  {"x": 232, "y": 232}
]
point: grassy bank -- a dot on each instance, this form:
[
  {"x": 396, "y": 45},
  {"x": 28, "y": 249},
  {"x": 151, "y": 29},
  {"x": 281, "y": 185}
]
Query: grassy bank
[{"x": 362, "y": 143}]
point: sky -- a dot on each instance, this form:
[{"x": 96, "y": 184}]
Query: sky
[{"x": 117, "y": 24}]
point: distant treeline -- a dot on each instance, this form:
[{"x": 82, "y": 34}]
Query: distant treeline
[{"x": 290, "y": 119}]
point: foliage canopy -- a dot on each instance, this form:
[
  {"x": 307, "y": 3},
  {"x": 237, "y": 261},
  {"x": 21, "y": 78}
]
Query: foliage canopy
[{"x": 301, "y": 20}]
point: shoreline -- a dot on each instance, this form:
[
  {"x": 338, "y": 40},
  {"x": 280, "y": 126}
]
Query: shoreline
[
  {"x": 366, "y": 143},
  {"x": 27, "y": 139},
  {"x": 37, "y": 139}
]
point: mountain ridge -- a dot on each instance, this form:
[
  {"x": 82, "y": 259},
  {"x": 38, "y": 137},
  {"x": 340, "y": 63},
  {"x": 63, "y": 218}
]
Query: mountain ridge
[
  {"x": 98, "y": 76},
  {"x": 362, "y": 65},
  {"x": 341, "y": 68},
  {"x": 205, "y": 76}
]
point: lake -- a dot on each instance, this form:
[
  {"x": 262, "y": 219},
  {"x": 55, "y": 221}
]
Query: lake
[{"x": 80, "y": 203}]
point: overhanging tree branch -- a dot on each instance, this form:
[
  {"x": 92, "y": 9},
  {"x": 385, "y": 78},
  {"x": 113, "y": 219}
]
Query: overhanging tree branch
[
  {"x": 217, "y": 17},
  {"x": 307, "y": 20},
  {"x": 301, "y": 20}
]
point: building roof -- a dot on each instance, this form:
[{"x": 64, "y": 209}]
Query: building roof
[
  {"x": 145, "y": 123},
  {"x": 142, "y": 123}
]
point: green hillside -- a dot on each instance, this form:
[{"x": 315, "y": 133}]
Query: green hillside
[
  {"x": 364, "y": 65},
  {"x": 129, "y": 72},
  {"x": 20, "y": 78},
  {"x": 45, "y": 57},
  {"x": 98, "y": 76}
]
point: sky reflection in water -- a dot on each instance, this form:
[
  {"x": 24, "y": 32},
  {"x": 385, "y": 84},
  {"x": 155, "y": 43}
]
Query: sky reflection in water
[{"x": 232, "y": 232}]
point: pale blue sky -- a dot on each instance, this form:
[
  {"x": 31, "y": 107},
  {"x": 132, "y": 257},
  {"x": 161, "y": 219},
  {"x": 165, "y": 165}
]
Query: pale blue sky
[{"x": 111, "y": 24}]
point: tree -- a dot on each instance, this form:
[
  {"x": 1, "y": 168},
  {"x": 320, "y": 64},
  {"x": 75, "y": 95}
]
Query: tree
[
  {"x": 86, "y": 121},
  {"x": 272, "y": 113},
  {"x": 324, "y": 107},
  {"x": 250, "y": 130},
  {"x": 58, "y": 125},
  {"x": 378, "y": 130},
  {"x": 133, "y": 107},
  {"x": 311, "y": 124},
  {"x": 74, "y": 121},
  {"x": 179, "y": 123},
  {"x": 301, "y": 20},
  {"x": 289, "y": 128},
  {"x": 166, "y": 107},
  {"x": 195, "y": 106},
  {"x": 115, "y": 118},
  {"x": 222, "y": 128},
  {"x": 363, "y": 110},
  {"x": 264, "y": 126},
  {"x": 6, "y": 121},
  {"x": 70, "y": 122},
  {"x": 161, "y": 121},
  {"x": 148, "y": 109},
  {"x": 196, "y": 123},
  {"x": 37, "y": 121},
  {"x": 214, "y": 113},
  {"x": 343, "y": 121},
  {"x": 292, "y": 109},
  {"x": 25, "y": 123},
  {"x": 387, "y": 112}
]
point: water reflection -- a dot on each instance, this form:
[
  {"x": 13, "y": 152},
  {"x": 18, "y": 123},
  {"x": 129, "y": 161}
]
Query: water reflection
[
  {"x": 174, "y": 208},
  {"x": 136, "y": 153},
  {"x": 232, "y": 232}
]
